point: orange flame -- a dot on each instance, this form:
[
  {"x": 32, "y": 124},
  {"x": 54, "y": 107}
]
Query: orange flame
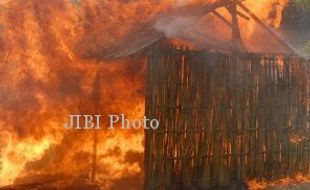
[{"x": 44, "y": 79}]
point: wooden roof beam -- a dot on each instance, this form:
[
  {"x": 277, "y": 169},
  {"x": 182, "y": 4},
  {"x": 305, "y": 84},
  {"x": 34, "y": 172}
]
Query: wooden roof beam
[{"x": 266, "y": 27}]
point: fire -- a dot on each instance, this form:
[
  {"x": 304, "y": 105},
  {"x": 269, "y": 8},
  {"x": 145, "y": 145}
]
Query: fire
[
  {"x": 17, "y": 153},
  {"x": 45, "y": 78},
  {"x": 281, "y": 183},
  {"x": 273, "y": 16}
]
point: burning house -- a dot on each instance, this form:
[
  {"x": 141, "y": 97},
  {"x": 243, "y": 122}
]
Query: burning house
[
  {"x": 230, "y": 93},
  {"x": 226, "y": 117}
]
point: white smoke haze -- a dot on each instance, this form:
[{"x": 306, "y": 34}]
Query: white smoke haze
[
  {"x": 175, "y": 26},
  {"x": 186, "y": 22},
  {"x": 178, "y": 3}
]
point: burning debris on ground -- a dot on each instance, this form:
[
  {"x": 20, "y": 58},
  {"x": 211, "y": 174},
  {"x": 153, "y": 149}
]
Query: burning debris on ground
[{"x": 62, "y": 57}]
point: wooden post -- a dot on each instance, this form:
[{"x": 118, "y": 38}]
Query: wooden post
[
  {"x": 274, "y": 34},
  {"x": 96, "y": 98}
]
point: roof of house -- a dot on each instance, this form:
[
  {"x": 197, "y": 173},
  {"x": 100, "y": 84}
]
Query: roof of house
[{"x": 169, "y": 24}]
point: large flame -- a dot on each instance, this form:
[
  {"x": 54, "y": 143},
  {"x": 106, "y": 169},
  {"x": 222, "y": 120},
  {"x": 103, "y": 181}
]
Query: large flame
[{"x": 43, "y": 80}]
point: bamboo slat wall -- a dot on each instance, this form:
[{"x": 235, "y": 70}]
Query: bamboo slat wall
[{"x": 225, "y": 118}]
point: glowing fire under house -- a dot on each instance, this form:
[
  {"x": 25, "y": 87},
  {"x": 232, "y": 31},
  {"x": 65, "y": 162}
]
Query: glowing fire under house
[{"x": 225, "y": 116}]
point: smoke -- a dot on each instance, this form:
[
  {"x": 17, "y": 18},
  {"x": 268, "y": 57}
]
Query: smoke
[
  {"x": 175, "y": 26},
  {"x": 295, "y": 24},
  {"x": 207, "y": 30},
  {"x": 179, "y": 3},
  {"x": 44, "y": 78}
]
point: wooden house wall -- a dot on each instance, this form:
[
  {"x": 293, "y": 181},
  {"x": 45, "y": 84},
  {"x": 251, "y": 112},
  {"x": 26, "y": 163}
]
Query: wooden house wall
[{"x": 225, "y": 118}]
